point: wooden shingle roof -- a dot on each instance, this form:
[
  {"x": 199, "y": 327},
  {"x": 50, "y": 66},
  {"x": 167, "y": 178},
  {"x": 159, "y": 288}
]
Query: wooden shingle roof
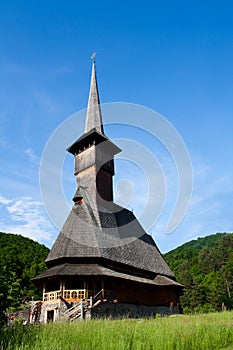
[
  {"x": 98, "y": 270},
  {"x": 113, "y": 234}
]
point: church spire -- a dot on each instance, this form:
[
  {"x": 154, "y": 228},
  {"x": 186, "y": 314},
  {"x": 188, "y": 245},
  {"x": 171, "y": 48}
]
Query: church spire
[{"x": 93, "y": 116}]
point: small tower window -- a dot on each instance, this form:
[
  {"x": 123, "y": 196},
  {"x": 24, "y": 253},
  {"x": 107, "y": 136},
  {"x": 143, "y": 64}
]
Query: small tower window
[
  {"x": 78, "y": 198},
  {"x": 78, "y": 201}
]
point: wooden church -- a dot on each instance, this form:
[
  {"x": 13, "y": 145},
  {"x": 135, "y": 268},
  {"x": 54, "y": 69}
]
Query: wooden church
[{"x": 103, "y": 263}]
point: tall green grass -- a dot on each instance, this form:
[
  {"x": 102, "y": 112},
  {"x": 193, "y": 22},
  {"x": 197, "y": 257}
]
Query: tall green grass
[{"x": 197, "y": 332}]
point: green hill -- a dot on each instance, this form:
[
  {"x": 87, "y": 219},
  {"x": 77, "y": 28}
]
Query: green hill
[
  {"x": 205, "y": 267},
  {"x": 20, "y": 260}
]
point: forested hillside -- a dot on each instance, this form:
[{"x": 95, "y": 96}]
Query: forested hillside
[
  {"x": 205, "y": 267},
  {"x": 20, "y": 260}
]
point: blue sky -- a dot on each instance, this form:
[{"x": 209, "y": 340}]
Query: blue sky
[{"x": 174, "y": 57}]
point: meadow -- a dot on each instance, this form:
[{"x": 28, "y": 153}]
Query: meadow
[{"x": 186, "y": 332}]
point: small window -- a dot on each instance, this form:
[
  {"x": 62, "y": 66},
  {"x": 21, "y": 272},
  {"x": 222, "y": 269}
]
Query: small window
[{"x": 79, "y": 202}]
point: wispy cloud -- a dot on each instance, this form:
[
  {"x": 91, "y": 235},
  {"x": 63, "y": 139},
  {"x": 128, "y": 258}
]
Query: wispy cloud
[
  {"x": 26, "y": 217},
  {"x": 210, "y": 189},
  {"x": 4, "y": 201},
  {"x": 14, "y": 68},
  {"x": 32, "y": 156},
  {"x": 46, "y": 102},
  {"x": 208, "y": 212}
]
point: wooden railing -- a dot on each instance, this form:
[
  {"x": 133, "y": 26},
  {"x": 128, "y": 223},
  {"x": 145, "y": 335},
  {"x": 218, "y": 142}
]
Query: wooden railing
[
  {"x": 73, "y": 312},
  {"x": 71, "y": 294},
  {"x": 98, "y": 295},
  {"x": 75, "y": 294},
  {"x": 49, "y": 296},
  {"x": 102, "y": 294}
]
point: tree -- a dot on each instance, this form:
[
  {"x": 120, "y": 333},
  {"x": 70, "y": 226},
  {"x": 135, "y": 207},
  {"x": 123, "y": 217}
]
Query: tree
[
  {"x": 21, "y": 259},
  {"x": 205, "y": 267}
]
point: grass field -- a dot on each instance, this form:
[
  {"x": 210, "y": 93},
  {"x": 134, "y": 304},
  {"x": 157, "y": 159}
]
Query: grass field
[{"x": 197, "y": 332}]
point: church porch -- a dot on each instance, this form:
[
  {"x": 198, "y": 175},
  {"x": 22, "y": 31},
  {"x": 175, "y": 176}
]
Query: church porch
[{"x": 74, "y": 289}]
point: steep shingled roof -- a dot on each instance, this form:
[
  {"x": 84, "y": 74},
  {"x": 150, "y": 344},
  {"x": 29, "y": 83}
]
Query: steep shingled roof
[
  {"x": 98, "y": 270},
  {"x": 113, "y": 234}
]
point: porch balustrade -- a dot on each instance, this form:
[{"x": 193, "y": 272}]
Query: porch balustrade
[
  {"x": 72, "y": 294},
  {"x": 75, "y": 294},
  {"x": 50, "y": 296}
]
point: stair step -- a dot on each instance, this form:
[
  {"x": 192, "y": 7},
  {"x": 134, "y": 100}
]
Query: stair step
[{"x": 75, "y": 311}]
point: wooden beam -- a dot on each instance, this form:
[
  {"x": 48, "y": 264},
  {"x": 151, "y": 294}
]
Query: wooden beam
[{"x": 102, "y": 286}]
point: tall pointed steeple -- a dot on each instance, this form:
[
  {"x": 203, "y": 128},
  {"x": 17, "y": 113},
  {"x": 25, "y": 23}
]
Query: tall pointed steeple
[
  {"x": 94, "y": 153},
  {"x": 93, "y": 116}
]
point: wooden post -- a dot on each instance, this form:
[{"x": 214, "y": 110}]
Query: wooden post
[
  {"x": 61, "y": 287},
  {"x": 43, "y": 290},
  {"x": 102, "y": 284},
  {"x": 81, "y": 306},
  {"x": 85, "y": 288}
]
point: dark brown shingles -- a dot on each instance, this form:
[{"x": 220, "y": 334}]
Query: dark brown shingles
[
  {"x": 98, "y": 270},
  {"x": 116, "y": 236}
]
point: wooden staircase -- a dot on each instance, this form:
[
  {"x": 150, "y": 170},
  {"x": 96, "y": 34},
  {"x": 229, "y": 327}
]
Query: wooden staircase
[
  {"x": 79, "y": 309},
  {"x": 75, "y": 312}
]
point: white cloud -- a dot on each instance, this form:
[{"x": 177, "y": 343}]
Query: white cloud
[
  {"x": 32, "y": 156},
  {"x": 26, "y": 217},
  {"x": 5, "y": 201}
]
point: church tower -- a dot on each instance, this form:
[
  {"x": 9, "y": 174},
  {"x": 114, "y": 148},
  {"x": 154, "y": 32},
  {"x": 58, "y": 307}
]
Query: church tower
[
  {"x": 103, "y": 263},
  {"x": 93, "y": 153}
]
